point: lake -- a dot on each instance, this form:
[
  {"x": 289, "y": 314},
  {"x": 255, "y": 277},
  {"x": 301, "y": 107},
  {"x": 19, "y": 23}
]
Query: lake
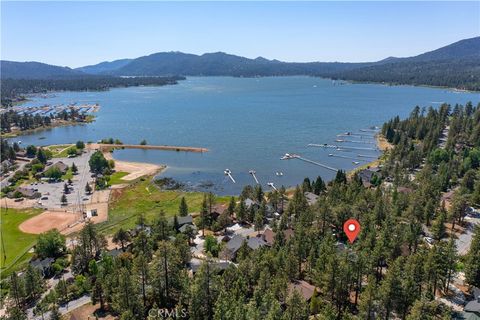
[{"x": 247, "y": 123}]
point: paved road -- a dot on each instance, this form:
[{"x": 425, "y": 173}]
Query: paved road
[
  {"x": 4, "y": 183},
  {"x": 465, "y": 239},
  {"x": 72, "y": 305}
]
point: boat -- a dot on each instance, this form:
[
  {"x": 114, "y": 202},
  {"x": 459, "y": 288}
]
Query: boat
[
  {"x": 227, "y": 172},
  {"x": 355, "y": 162},
  {"x": 279, "y": 174}
]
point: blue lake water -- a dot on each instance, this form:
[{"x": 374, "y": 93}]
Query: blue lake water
[{"x": 247, "y": 123}]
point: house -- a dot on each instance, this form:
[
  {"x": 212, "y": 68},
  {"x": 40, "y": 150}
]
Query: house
[
  {"x": 255, "y": 243},
  {"x": 305, "y": 289},
  {"x": 366, "y": 176},
  {"x": 472, "y": 308},
  {"x": 184, "y": 220},
  {"x": 311, "y": 198},
  {"x": 44, "y": 266},
  {"x": 185, "y": 227},
  {"x": 217, "y": 210},
  {"x": 250, "y": 203},
  {"x": 269, "y": 236},
  {"x": 230, "y": 250},
  {"x": 60, "y": 166}
]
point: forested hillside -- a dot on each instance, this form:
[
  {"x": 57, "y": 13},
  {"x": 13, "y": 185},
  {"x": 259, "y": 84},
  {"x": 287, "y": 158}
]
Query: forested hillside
[{"x": 13, "y": 89}]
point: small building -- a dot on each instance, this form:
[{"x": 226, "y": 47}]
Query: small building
[
  {"x": 305, "y": 289},
  {"x": 184, "y": 220},
  {"x": 28, "y": 193},
  {"x": 230, "y": 250},
  {"x": 184, "y": 228},
  {"x": 269, "y": 236},
  {"x": 60, "y": 166},
  {"x": 255, "y": 243},
  {"x": 43, "y": 265}
]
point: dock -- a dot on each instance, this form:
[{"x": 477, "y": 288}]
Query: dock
[
  {"x": 151, "y": 147},
  {"x": 296, "y": 156},
  {"x": 332, "y": 146},
  {"x": 344, "y": 157},
  {"x": 253, "y": 173}
]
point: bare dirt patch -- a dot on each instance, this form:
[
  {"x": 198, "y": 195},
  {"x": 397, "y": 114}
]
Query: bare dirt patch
[
  {"x": 11, "y": 203},
  {"x": 49, "y": 220}
]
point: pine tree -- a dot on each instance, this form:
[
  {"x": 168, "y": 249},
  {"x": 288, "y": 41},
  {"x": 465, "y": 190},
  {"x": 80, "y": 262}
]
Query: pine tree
[
  {"x": 472, "y": 262},
  {"x": 183, "y": 209},
  {"x": 74, "y": 168},
  {"x": 88, "y": 189}
]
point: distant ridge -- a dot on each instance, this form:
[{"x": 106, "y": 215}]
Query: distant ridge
[
  {"x": 35, "y": 70},
  {"x": 455, "y": 65},
  {"x": 105, "y": 67}
]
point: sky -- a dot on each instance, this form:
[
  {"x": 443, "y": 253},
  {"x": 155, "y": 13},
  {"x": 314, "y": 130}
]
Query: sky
[{"x": 75, "y": 34}]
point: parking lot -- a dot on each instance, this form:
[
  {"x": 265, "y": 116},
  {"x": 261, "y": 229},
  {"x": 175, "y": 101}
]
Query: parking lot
[{"x": 53, "y": 191}]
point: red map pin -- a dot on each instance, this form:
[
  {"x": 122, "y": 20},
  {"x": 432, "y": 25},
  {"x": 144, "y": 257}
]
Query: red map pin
[{"x": 351, "y": 227}]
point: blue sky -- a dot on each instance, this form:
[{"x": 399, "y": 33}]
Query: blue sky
[{"x": 81, "y": 33}]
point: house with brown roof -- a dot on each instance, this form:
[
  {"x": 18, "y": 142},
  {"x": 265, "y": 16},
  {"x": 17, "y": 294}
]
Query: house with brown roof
[
  {"x": 305, "y": 289},
  {"x": 269, "y": 236}
]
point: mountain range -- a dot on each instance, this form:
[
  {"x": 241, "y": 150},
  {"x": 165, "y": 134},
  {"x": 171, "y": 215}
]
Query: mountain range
[{"x": 456, "y": 65}]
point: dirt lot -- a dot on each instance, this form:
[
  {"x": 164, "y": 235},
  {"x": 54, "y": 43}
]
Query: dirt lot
[
  {"x": 66, "y": 221},
  {"x": 11, "y": 203},
  {"x": 49, "y": 220}
]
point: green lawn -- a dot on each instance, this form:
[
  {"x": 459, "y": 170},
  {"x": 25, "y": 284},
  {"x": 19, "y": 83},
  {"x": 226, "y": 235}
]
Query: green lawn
[
  {"x": 143, "y": 197},
  {"x": 68, "y": 174},
  {"x": 60, "y": 150},
  {"x": 116, "y": 177},
  {"x": 16, "y": 244}
]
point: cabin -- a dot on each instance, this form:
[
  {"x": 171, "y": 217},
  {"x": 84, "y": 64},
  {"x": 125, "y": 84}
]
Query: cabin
[
  {"x": 269, "y": 236},
  {"x": 305, "y": 289}
]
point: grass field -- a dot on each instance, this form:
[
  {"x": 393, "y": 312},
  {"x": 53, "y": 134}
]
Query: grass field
[
  {"x": 116, "y": 177},
  {"x": 60, "y": 150},
  {"x": 15, "y": 244},
  {"x": 143, "y": 197}
]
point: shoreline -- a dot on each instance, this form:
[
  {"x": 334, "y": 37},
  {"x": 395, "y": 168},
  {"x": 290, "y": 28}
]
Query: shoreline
[
  {"x": 63, "y": 123},
  {"x": 135, "y": 170}
]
